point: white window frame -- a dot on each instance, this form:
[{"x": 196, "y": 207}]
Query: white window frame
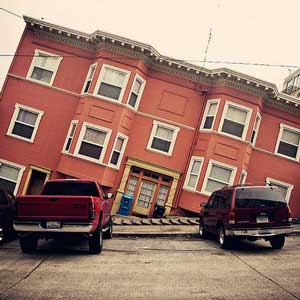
[
  {"x": 243, "y": 177},
  {"x": 17, "y": 166},
  {"x": 296, "y": 130},
  {"x": 73, "y": 122},
  {"x": 81, "y": 136},
  {"x": 100, "y": 78},
  {"x": 246, "y": 125},
  {"x": 152, "y": 135},
  {"x": 289, "y": 186},
  {"x": 125, "y": 138},
  {"x": 205, "y": 115},
  {"x": 18, "y": 107},
  {"x": 189, "y": 172},
  {"x": 87, "y": 78},
  {"x": 222, "y": 165},
  {"x": 136, "y": 77},
  {"x": 258, "y": 116},
  {"x": 33, "y": 63}
]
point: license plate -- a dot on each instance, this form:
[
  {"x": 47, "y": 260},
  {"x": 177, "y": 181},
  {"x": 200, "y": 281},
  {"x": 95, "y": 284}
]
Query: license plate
[
  {"x": 264, "y": 231},
  {"x": 53, "y": 225},
  {"x": 262, "y": 219}
]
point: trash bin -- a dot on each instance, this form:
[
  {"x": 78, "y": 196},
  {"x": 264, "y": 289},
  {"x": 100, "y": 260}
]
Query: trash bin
[
  {"x": 125, "y": 205},
  {"x": 159, "y": 211}
]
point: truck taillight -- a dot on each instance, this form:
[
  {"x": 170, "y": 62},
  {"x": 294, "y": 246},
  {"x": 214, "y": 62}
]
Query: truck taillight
[
  {"x": 231, "y": 217},
  {"x": 92, "y": 213}
]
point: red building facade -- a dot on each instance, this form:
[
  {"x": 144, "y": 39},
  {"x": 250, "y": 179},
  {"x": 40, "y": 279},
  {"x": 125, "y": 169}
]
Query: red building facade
[{"x": 104, "y": 107}]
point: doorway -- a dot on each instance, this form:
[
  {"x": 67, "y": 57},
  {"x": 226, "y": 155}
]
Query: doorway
[{"x": 35, "y": 180}]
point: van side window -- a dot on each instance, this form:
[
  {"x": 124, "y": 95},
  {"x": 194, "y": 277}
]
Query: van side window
[
  {"x": 211, "y": 201},
  {"x": 228, "y": 197}
]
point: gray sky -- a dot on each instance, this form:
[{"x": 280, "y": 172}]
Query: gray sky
[{"x": 256, "y": 31}]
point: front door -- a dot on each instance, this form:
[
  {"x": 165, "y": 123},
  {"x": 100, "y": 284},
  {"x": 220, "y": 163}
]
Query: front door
[{"x": 35, "y": 180}]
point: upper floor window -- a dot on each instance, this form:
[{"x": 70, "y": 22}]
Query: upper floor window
[
  {"x": 255, "y": 129},
  {"x": 235, "y": 120},
  {"x": 193, "y": 173},
  {"x": 288, "y": 142},
  {"x": 162, "y": 138},
  {"x": 218, "y": 175},
  {"x": 92, "y": 142},
  {"x": 136, "y": 92},
  {"x": 43, "y": 67},
  {"x": 285, "y": 188},
  {"x": 10, "y": 175},
  {"x": 210, "y": 114},
  {"x": 89, "y": 79},
  {"x": 112, "y": 83},
  {"x": 24, "y": 122},
  {"x": 118, "y": 150},
  {"x": 70, "y": 136}
]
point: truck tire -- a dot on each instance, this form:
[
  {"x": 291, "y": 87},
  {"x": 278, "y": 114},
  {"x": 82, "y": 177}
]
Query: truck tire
[
  {"x": 277, "y": 242},
  {"x": 28, "y": 243},
  {"x": 96, "y": 240},
  {"x": 203, "y": 234},
  {"x": 109, "y": 230},
  {"x": 226, "y": 242}
]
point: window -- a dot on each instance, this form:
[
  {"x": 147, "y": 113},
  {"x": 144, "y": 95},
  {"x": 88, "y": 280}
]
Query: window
[
  {"x": 193, "y": 173},
  {"x": 285, "y": 188},
  {"x": 92, "y": 142},
  {"x": 255, "y": 129},
  {"x": 89, "y": 79},
  {"x": 235, "y": 120},
  {"x": 136, "y": 92},
  {"x": 24, "y": 122},
  {"x": 288, "y": 142},
  {"x": 162, "y": 195},
  {"x": 44, "y": 67},
  {"x": 118, "y": 150},
  {"x": 10, "y": 175},
  {"x": 218, "y": 175},
  {"x": 243, "y": 177},
  {"x": 162, "y": 138},
  {"x": 111, "y": 83},
  {"x": 70, "y": 136},
  {"x": 210, "y": 114}
]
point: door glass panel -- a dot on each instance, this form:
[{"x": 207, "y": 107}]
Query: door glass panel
[
  {"x": 146, "y": 194},
  {"x": 162, "y": 195},
  {"x": 131, "y": 186}
]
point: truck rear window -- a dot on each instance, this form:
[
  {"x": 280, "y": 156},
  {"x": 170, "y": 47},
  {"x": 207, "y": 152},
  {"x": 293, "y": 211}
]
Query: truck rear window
[
  {"x": 259, "y": 197},
  {"x": 71, "y": 188}
]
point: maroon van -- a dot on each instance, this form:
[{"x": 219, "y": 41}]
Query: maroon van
[{"x": 246, "y": 212}]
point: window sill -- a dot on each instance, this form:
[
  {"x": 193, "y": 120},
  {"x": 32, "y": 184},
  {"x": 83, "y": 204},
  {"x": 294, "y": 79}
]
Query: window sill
[
  {"x": 40, "y": 81},
  {"x": 31, "y": 141},
  {"x": 107, "y": 98},
  {"x": 286, "y": 157},
  {"x": 159, "y": 152}
]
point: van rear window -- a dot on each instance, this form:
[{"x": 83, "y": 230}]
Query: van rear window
[{"x": 259, "y": 197}]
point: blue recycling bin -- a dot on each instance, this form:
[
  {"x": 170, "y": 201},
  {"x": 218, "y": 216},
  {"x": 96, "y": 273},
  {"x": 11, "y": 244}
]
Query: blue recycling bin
[{"x": 125, "y": 205}]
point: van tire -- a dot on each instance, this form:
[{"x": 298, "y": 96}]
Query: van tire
[
  {"x": 225, "y": 242},
  {"x": 96, "y": 240},
  {"x": 28, "y": 243},
  {"x": 277, "y": 242}
]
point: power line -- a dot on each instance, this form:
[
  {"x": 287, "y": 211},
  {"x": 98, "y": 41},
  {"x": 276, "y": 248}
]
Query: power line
[
  {"x": 206, "y": 50},
  {"x": 10, "y": 12}
]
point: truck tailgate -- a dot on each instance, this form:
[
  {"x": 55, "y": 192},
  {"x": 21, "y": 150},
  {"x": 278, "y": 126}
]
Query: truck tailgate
[{"x": 60, "y": 208}]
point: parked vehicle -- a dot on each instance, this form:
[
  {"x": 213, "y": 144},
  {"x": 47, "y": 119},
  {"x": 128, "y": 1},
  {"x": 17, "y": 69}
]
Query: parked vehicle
[
  {"x": 65, "y": 207},
  {"x": 7, "y": 211},
  {"x": 246, "y": 212}
]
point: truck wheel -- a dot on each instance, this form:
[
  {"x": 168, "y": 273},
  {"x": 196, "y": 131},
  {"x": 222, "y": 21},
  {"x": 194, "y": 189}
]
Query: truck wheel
[
  {"x": 225, "y": 241},
  {"x": 109, "y": 230},
  {"x": 277, "y": 242},
  {"x": 96, "y": 241},
  {"x": 28, "y": 243}
]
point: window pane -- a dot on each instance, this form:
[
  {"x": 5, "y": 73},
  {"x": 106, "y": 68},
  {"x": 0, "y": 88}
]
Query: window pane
[
  {"x": 212, "y": 109},
  {"x": 132, "y": 99},
  {"x": 41, "y": 74},
  {"x": 9, "y": 172},
  {"x": 7, "y": 185},
  {"x": 252, "y": 137},
  {"x": 137, "y": 86},
  {"x": 233, "y": 128},
  {"x": 22, "y": 130},
  {"x": 114, "y": 77},
  {"x": 236, "y": 114},
  {"x": 220, "y": 173},
  {"x": 68, "y": 144},
  {"x": 131, "y": 186},
  {"x": 162, "y": 196},
  {"x": 115, "y": 158},
  {"x": 192, "y": 181},
  {"x": 27, "y": 117},
  {"x": 164, "y": 133},
  {"x": 72, "y": 130},
  {"x": 87, "y": 86},
  {"x": 119, "y": 144},
  {"x": 208, "y": 122},
  {"x": 287, "y": 149},
  {"x": 290, "y": 137},
  {"x": 109, "y": 90},
  {"x": 94, "y": 136},
  {"x": 161, "y": 145},
  {"x": 196, "y": 167},
  {"x": 214, "y": 185},
  {"x": 46, "y": 62},
  {"x": 90, "y": 150},
  {"x": 91, "y": 73}
]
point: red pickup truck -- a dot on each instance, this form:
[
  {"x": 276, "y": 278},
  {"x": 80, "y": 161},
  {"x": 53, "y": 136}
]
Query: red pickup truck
[{"x": 65, "y": 207}]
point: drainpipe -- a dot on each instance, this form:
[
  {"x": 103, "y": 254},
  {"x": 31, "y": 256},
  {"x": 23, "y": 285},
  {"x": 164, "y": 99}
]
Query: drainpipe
[{"x": 204, "y": 94}]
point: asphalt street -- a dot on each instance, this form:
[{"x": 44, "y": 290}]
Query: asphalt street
[{"x": 144, "y": 268}]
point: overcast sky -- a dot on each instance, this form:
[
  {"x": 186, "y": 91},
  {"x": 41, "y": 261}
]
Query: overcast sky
[{"x": 256, "y": 31}]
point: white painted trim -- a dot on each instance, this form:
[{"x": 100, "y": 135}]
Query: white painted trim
[
  {"x": 294, "y": 129},
  {"x": 14, "y": 118},
  {"x": 246, "y": 125},
  {"x": 243, "y": 173},
  {"x": 86, "y": 79},
  {"x": 222, "y": 165},
  {"x": 136, "y": 77},
  {"x": 33, "y": 63},
  {"x": 68, "y": 135},
  {"x": 100, "y": 78},
  {"x": 283, "y": 184},
  {"x": 80, "y": 139},
  {"x": 209, "y": 102},
  {"x": 17, "y": 166},
  {"x": 258, "y": 115},
  {"x": 193, "y": 159},
  {"x": 125, "y": 138},
  {"x": 167, "y": 126}
]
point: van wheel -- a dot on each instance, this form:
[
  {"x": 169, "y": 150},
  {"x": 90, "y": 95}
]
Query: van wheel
[
  {"x": 224, "y": 240},
  {"x": 96, "y": 241},
  {"x": 28, "y": 243},
  {"x": 203, "y": 234},
  {"x": 277, "y": 242},
  {"x": 109, "y": 230}
]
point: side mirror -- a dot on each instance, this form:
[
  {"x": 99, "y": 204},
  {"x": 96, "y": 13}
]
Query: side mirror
[
  {"x": 109, "y": 195},
  {"x": 203, "y": 204}
]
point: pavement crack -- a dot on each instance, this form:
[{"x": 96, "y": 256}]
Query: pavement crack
[
  {"x": 265, "y": 276},
  {"x": 25, "y": 276}
]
